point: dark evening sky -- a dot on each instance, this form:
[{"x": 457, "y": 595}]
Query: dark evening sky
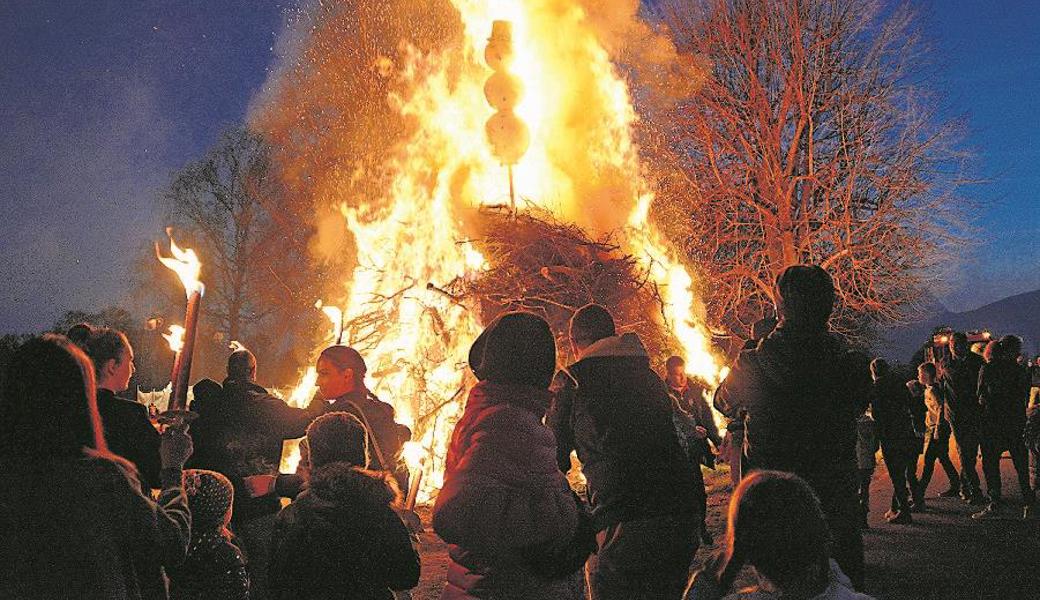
[{"x": 101, "y": 101}]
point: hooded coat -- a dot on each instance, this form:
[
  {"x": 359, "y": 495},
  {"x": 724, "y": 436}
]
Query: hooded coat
[
  {"x": 504, "y": 501},
  {"x": 341, "y": 539},
  {"x": 616, "y": 413}
]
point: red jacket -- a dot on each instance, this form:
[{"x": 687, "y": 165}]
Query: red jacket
[{"x": 503, "y": 497}]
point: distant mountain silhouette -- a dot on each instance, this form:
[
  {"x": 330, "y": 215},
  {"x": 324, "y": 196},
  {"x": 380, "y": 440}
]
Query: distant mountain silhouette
[{"x": 1018, "y": 314}]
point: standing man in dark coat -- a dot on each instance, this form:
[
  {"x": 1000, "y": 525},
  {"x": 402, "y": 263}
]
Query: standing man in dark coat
[
  {"x": 890, "y": 407},
  {"x": 691, "y": 407},
  {"x": 241, "y": 429},
  {"x": 802, "y": 390},
  {"x": 959, "y": 376},
  {"x": 615, "y": 412},
  {"x": 1004, "y": 395},
  {"x": 341, "y": 383}
]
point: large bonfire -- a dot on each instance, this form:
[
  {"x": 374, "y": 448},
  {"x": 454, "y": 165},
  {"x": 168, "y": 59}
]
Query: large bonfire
[{"x": 380, "y": 113}]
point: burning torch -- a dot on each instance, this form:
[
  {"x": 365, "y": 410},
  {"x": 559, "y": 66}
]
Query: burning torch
[
  {"x": 506, "y": 133},
  {"x": 182, "y": 340}
]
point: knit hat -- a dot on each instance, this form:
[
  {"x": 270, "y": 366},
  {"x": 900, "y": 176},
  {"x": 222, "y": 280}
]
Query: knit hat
[
  {"x": 210, "y": 496},
  {"x": 520, "y": 349},
  {"x": 338, "y": 437}
]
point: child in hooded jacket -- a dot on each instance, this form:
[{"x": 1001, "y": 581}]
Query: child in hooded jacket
[{"x": 341, "y": 537}]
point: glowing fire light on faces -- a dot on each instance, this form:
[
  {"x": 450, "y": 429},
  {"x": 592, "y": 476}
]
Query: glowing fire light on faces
[
  {"x": 582, "y": 166},
  {"x": 175, "y": 337}
]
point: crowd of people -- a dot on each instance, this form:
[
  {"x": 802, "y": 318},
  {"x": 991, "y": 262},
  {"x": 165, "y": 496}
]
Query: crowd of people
[{"x": 95, "y": 502}]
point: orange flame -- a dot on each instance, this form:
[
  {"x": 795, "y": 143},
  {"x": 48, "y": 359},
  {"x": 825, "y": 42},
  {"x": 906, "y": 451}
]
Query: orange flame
[
  {"x": 582, "y": 165},
  {"x": 184, "y": 263},
  {"x": 175, "y": 337}
]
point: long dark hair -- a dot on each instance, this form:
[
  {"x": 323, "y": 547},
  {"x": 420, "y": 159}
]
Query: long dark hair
[
  {"x": 776, "y": 525},
  {"x": 48, "y": 405}
]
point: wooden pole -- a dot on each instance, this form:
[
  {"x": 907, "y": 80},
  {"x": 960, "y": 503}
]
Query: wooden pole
[
  {"x": 512, "y": 190},
  {"x": 182, "y": 363}
]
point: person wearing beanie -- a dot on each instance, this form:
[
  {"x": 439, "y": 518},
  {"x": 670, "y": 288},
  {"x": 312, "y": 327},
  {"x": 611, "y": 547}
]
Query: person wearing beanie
[
  {"x": 341, "y": 384},
  {"x": 513, "y": 527},
  {"x": 341, "y": 537},
  {"x": 214, "y": 568},
  {"x": 801, "y": 389}
]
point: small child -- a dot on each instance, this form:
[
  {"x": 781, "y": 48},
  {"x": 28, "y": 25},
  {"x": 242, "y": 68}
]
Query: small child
[
  {"x": 866, "y": 459},
  {"x": 214, "y": 567},
  {"x": 341, "y": 537},
  {"x": 776, "y": 527}
]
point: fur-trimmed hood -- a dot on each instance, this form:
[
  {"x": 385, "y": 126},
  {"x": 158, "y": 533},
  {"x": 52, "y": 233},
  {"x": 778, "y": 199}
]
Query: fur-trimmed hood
[{"x": 346, "y": 484}]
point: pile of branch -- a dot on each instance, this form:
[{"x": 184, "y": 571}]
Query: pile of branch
[{"x": 540, "y": 265}]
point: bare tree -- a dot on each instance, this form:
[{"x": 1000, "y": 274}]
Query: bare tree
[
  {"x": 258, "y": 279},
  {"x": 811, "y": 141}
]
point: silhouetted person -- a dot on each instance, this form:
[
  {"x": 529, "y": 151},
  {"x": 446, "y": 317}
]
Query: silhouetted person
[
  {"x": 241, "y": 429},
  {"x": 890, "y": 407},
  {"x": 341, "y": 383},
  {"x": 73, "y": 520},
  {"x": 777, "y": 527},
  {"x": 692, "y": 413},
  {"x": 866, "y": 461},
  {"x": 802, "y": 390},
  {"x": 734, "y": 442},
  {"x": 128, "y": 430},
  {"x": 214, "y": 568},
  {"x": 616, "y": 413},
  {"x": 514, "y": 527},
  {"x": 937, "y": 432},
  {"x": 1004, "y": 396},
  {"x": 341, "y": 538},
  {"x": 959, "y": 375}
]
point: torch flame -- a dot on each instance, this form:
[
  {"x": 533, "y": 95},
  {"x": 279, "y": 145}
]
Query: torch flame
[
  {"x": 175, "y": 337},
  {"x": 184, "y": 263}
]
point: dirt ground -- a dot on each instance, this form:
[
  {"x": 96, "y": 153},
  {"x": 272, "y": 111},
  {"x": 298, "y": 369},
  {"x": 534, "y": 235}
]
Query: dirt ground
[{"x": 944, "y": 554}]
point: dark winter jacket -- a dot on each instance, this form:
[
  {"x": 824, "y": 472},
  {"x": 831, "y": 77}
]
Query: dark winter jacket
[
  {"x": 890, "y": 407},
  {"x": 960, "y": 378},
  {"x": 239, "y": 433},
  {"x": 615, "y": 411},
  {"x": 213, "y": 570},
  {"x": 691, "y": 399},
  {"x": 130, "y": 434},
  {"x": 80, "y": 528},
  {"x": 383, "y": 432},
  {"x": 341, "y": 539},
  {"x": 504, "y": 504},
  {"x": 802, "y": 391},
  {"x": 1004, "y": 395},
  {"x": 689, "y": 411}
]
